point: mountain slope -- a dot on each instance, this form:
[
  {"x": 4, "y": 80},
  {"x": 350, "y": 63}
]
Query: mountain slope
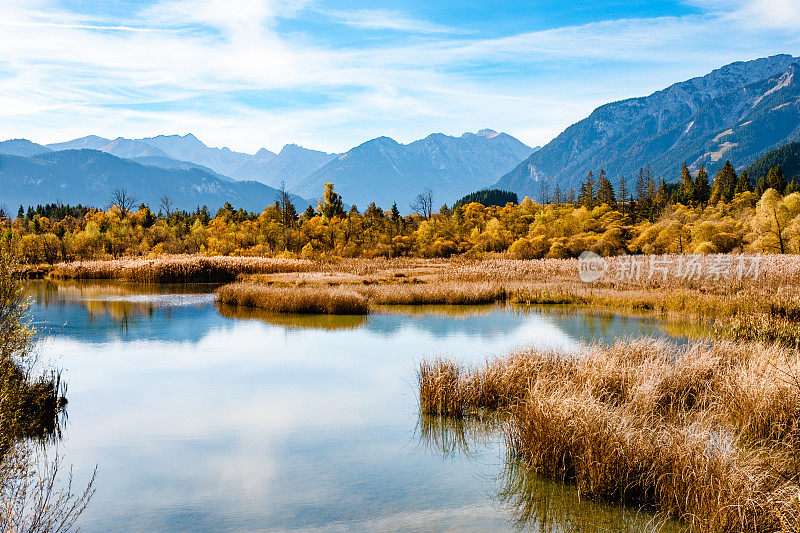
[
  {"x": 128, "y": 149},
  {"x": 22, "y": 147},
  {"x": 168, "y": 162},
  {"x": 89, "y": 177},
  {"x": 737, "y": 112},
  {"x": 90, "y": 142},
  {"x": 190, "y": 148},
  {"x": 787, "y": 157},
  {"x": 291, "y": 165},
  {"x": 385, "y": 171}
]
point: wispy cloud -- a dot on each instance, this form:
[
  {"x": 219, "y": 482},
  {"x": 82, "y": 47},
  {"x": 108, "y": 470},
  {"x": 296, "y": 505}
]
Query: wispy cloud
[
  {"x": 382, "y": 19},
  {"x": 65, "y": 74}
]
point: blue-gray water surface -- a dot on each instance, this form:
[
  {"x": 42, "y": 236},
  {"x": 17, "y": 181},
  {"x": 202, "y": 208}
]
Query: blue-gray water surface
[{"x": 207, "y": 418}]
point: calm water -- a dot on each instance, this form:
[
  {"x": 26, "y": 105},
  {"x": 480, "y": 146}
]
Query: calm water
[{"x": 201, "y": 418}]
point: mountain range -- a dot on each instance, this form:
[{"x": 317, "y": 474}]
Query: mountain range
[
  {"x": 737, "y": 112},
  {"x": 90, "y": 177},
  {"x": 384, "y": 171},
  {"x": 380, "y": 170}
]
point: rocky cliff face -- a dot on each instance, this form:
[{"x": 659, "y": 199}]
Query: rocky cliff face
[{"x": 737, "y": 112}]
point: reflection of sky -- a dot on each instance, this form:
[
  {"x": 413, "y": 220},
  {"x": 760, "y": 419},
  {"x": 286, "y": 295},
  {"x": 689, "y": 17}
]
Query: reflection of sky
[{"x": 204, "y": 422}]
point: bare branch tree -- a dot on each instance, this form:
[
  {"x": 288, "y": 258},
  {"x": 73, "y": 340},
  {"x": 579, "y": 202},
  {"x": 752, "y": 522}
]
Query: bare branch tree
[
  {"x": 166, "y": 205},
  {"x": 124, "y": 200},
  {"x": 423, "y": 203}
]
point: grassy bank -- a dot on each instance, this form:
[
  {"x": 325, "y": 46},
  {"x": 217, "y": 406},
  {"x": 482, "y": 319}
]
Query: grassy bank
[
  {"x": 706, "y": 433},
  {"x": 764, "y": 308},
  {"x": 177, "y": 269},
  {"x": 334, "y": 301}
]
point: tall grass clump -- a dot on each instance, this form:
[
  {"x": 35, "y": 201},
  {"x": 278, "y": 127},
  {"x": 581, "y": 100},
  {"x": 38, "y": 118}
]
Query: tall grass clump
[
  {"x": 301, "y": 300},
  {"x": 705, "y": 433},
  {"x": 437, "y": 293}
]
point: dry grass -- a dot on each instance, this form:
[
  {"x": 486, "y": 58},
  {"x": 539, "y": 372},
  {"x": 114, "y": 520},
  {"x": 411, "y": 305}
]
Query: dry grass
[
  {"x": 450, "y": 293},
  {"x": 178, "y": 268},
  {"x": 332, "y": 300},
  {"x": 705, "y": 433}
]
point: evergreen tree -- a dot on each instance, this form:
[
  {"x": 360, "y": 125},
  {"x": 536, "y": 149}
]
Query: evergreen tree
[
  {"x": 395, "y": 212},
  {"x": 21, "y": 212},
  {"x": 331, "y": 204},
  {"x": 586, "y": 195},
  {"x": 605, "y": 191},
  {"x": 662, "y": 196},
  {"x": 623, "y": 193},
  {"x": 776, "y": 180},
  {"x": 724, "y": 184},
  {"x": 743, "y": 183},
  {"x": 309, "y": 213},
  {"x": 762, "y": 186},
  {"x": 557, "y": 196},
  {"x": 702, "y": 190},
  {"x": 645, "y": 193},
  {"x": 686, "y": 193}
]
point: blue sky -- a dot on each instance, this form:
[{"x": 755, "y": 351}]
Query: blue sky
[{"x": 332, "y": 74}]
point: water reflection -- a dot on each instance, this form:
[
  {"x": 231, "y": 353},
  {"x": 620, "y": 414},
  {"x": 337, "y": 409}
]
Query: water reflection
[
  {"x": 533, "y": 502},
  {"x": 547, "y": 506},
  {"x": 293, "y": 321},
  {"x": 216, "y": 418}
]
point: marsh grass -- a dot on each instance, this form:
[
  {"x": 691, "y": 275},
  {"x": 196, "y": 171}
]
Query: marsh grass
[
  {"x": 449, "y": 293},
  {"x": 177, "y": 269},
  {"x": 301, "y": 300},
  {"x": 706, "y": 433}
]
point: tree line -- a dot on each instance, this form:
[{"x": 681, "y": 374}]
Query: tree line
[{"x": 692, "y": 215}]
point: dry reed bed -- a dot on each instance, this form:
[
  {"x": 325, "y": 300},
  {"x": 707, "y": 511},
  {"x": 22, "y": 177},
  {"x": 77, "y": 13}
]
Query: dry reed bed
[
  {"x": 774, "y": 270},
  {"x": 706, "y": 433},
  {"x": 182, "y": 268},
  {"x": 302, "y": 300},
  {"x": 449, "y": 293}
]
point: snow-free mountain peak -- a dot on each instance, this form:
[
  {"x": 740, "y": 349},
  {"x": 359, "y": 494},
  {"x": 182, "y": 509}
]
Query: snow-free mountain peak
[{"x": 738, "y": 112}]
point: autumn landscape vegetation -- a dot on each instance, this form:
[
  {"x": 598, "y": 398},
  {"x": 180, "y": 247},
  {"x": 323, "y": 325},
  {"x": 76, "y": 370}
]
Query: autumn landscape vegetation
[{"x": 704, "y": 432}]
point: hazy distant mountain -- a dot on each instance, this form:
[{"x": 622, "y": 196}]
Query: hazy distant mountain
[
  {"x": 90, "y": 142},
  {"x": 168, "y": 162},
  {"x": 120, "y": 147},
  {"x": 89, "y": 177},
  {"x": 22, "y": 147},
  {"x": 291, "y": 165},
  {"x": 384, "y": 171},
  {"x": 129, "y": 149},
  {"x": 737, "y": 112},
  {"x": 189, "y": 148}
]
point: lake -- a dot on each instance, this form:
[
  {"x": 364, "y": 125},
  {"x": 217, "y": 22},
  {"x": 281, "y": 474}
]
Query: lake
[{"x": 207, "y": 418}]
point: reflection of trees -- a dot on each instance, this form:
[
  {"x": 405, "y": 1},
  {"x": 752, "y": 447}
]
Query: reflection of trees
[
  {"x": 32, "y": 496},
  {"x": 533, "y": 502}
]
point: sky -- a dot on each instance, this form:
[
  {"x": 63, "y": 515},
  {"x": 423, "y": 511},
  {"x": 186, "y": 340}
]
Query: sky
[{"x": 331, "y": 74}]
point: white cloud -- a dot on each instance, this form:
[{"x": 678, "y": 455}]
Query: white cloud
[
  {"x": 63, "y": 74},
  {"x": 772, "y": 14},
  {"x": 383, "y": 19}
]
